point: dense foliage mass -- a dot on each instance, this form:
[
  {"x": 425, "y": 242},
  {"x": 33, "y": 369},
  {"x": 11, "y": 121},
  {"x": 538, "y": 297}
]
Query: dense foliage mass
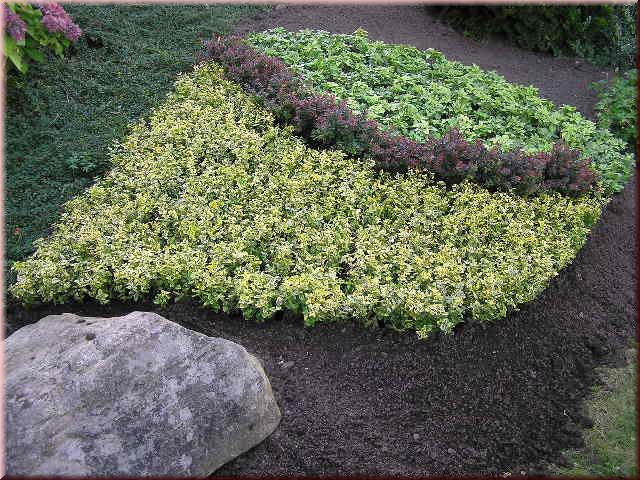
[
  {"x": 421, "y": 93},
  {"x": 64, "y": 115},
  {"x": 30, "y": 29},
  {"x": 325, "y": 122},
  {"x": 617, "y": 107},
  {"x": 210, "y": 199},
  {"x": 603, "y": 34}
]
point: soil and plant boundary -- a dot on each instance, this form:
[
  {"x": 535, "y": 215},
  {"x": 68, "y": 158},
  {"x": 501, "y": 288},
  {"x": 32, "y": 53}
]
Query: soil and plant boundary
[{"x": 583, "y": 318}]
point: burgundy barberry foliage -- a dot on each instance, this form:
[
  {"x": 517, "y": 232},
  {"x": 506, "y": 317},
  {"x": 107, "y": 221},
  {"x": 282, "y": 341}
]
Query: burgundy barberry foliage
[
  {"x": 386, "y": 148},
  {"x": 323, "y": 121},
  {"x": 265, "y": 76},
  {"x": 338, "y": 125},
  {"x": 56, "y": 19},
  {"x": 566, "y": 172},
  {"x": 13, "y": 24}
]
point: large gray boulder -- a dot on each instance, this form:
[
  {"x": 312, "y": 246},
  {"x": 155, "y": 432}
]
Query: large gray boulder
[{"x": 134, "y": 395}]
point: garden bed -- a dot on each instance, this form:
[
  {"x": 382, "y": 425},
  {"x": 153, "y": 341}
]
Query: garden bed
[
  {"x": 506, "y": 396},
  {"x": 489, "y": 398}
]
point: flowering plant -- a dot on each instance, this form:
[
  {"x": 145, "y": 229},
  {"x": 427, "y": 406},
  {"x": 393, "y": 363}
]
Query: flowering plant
[{"x": 28, "y": 28}]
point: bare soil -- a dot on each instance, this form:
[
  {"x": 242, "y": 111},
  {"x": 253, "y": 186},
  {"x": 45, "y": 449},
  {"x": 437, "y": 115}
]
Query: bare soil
[{"x": 488, "y": 399}]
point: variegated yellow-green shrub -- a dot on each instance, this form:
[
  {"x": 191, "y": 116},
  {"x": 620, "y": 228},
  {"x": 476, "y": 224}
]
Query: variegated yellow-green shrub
[{"x": 211, "y": 200}]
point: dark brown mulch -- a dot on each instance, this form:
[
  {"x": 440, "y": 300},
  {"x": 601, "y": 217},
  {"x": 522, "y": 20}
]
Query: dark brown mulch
[{"x": 503, "y": 397}]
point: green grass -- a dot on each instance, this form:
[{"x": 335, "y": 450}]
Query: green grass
[
  {"x": 62, "y": 118},
  {"x": 610, "y": 446}
]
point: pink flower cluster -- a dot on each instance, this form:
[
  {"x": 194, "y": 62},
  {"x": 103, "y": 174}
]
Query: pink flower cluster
[
  {"x": 13, "y": 24},
  {"x": 55, "y": 19}
]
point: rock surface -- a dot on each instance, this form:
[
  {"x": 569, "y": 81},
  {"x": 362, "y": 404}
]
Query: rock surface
[{"x": 133, "y": 395}]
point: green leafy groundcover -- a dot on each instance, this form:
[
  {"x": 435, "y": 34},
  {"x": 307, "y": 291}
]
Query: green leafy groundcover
[
  {"x": 419, "y": 93},
  {"x": 61, "y": 119},
  {"x": 617, "y": 106},
  {"x": 212, "y": 200}
]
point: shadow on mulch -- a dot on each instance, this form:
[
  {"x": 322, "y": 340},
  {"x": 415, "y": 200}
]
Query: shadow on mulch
[{"x": 501, "y": 397}]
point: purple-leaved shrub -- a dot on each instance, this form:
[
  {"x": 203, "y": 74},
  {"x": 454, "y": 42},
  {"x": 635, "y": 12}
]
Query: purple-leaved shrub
[{"x": 325, "y": 122}]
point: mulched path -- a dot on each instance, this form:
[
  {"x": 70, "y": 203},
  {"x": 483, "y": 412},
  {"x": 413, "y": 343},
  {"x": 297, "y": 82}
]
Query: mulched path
[{"x": 503, "y": 397}]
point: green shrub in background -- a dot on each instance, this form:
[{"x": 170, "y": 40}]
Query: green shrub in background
[
  {"x": 209, "y": 199},
  {"x": 616, "y": 108},
  {"x": 602, "y": 34},
  {"x": 421, "y": 93}
]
